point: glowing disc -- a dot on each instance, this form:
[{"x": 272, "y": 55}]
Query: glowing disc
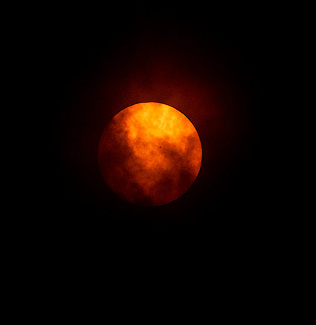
[{"x": 150, "y": 154}]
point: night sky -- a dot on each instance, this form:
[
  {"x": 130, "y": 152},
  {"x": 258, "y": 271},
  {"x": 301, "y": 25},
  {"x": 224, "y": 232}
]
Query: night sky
[{"x": 214, "y": 67}]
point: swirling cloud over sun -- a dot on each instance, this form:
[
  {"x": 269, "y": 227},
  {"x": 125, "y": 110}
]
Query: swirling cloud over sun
[{"x": 150, "y": 154}]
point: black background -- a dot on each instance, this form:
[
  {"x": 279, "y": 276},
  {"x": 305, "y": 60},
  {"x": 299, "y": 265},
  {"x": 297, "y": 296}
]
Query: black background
[
  {"x": 219, "y": 244},
  {"x": 87, "y": 58}
]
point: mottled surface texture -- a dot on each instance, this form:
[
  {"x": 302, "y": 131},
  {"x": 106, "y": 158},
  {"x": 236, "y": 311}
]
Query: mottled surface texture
[{"x": 150, "y": 154}]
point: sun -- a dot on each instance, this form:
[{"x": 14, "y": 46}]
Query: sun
[{"x": 150, "y": 154}]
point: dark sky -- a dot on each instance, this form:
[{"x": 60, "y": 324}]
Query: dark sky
[{"x": 214, "y": 66}]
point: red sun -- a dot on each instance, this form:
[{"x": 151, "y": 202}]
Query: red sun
[{"x": 150, "y": 154}]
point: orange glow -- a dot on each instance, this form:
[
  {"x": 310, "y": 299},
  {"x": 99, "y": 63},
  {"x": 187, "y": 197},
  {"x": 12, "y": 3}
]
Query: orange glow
[{"x": 150, "y": 154}]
